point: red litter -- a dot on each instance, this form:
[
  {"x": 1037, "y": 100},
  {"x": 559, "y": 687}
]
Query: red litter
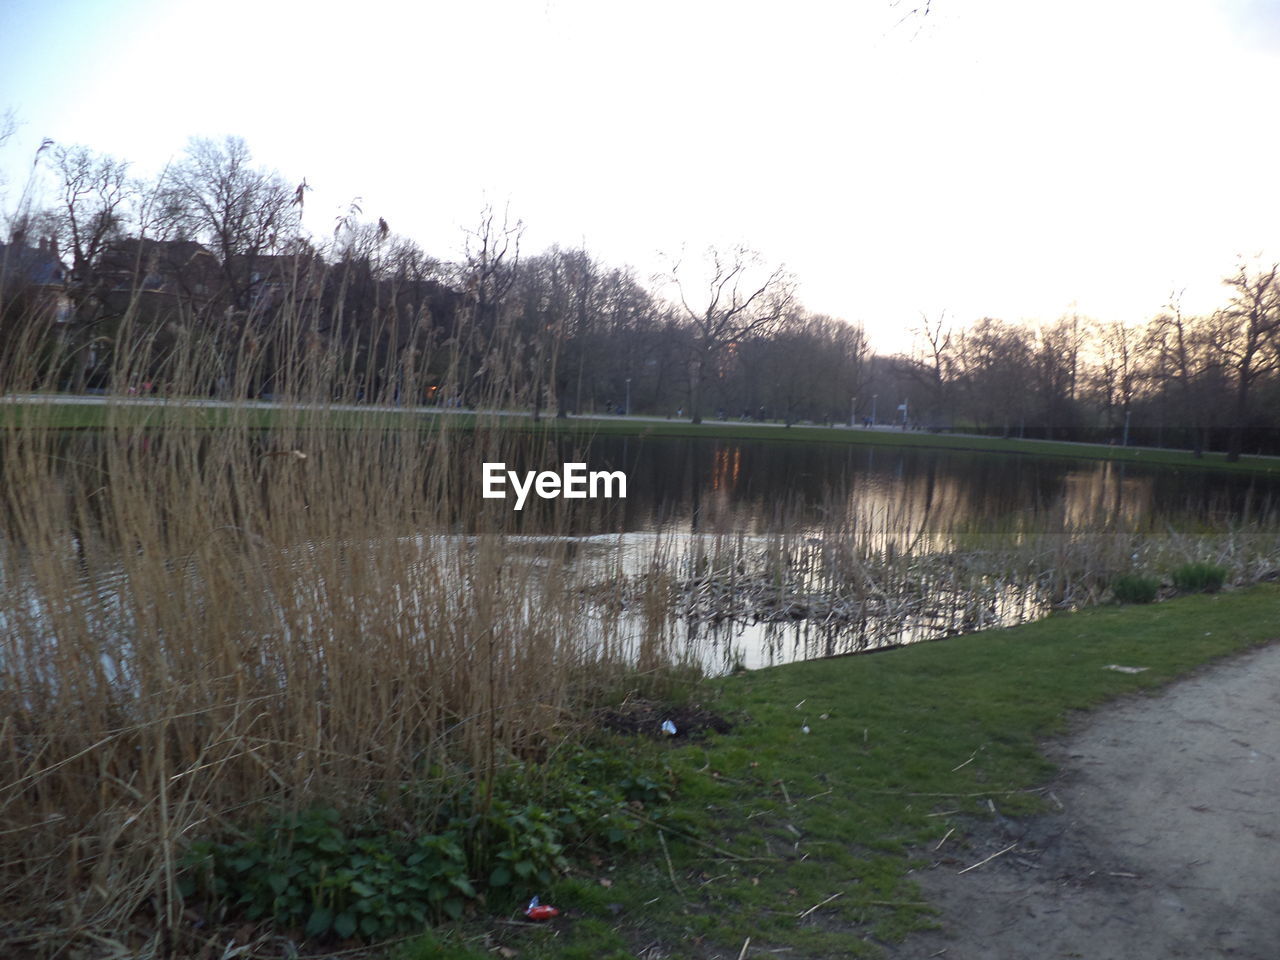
[{"x": 540, "y": 911}]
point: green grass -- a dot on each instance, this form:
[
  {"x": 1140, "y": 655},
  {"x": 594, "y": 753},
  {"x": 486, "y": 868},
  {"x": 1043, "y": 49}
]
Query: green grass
[
  {"x": 902, "y": 745},
  {"x": 941, "y": 441},
  {"x": 122, "y": 413}
]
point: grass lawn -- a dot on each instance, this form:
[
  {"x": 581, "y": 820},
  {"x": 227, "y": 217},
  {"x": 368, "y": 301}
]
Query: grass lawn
[
  {"x": 889, "y": 438},
  {"x": 137, "y": 415},
  {"x": 770, "y": 821}
]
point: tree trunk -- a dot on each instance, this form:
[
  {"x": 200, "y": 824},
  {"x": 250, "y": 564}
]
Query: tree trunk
[
  {"x": 1235, "y": 442},
  {"x": 695, "y": 387}
]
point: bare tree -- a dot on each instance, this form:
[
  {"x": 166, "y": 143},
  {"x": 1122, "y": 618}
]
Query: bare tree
[
  {"x": 487, "y": 277},
  {"x": 741, "y": 302},
  {"x": 94, "y": 191},
  {"x": 1116, "y": 373},
  {"x": 1245, "y": 332},
  {"x": 1057, "y": 359},
  {"x": 1180, "y": 360},
  {"x": 997, "y": 363},
  {"x": 932, "y": 362},
  {"x": 8, "y": 127},
  {"x": 243, "y": 212}
]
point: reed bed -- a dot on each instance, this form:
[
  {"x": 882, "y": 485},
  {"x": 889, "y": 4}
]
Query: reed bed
[
  {"x": 861, "y": 583},
  {"x": 198, "y": 625}
]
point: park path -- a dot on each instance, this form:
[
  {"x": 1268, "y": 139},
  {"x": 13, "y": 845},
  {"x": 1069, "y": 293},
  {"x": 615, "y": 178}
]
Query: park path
[{"x": 1165, "y": 843}]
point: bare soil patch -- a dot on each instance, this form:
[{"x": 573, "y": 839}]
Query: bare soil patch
[{"x": 646, "y": 718}]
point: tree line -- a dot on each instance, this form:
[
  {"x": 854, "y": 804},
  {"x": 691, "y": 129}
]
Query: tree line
[
  {"x": 210, "y": 266},
  {"x": 1199, "y": 382}
]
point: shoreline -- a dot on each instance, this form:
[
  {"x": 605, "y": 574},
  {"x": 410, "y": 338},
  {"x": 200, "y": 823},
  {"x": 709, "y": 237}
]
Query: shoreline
[{"x": 88, "y": 412}]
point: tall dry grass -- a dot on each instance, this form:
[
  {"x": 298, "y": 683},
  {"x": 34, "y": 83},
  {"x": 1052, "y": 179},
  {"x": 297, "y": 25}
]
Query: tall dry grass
[{"x": 197, "y": 623}]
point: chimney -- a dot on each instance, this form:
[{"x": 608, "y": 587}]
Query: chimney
[{"x": 44, "y": 245}]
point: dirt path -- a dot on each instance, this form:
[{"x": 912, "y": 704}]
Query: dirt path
[{"x": 1167, "y": 843}]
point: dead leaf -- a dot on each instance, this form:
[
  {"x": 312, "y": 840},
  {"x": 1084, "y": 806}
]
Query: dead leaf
[{"x": 606, "y": 882}]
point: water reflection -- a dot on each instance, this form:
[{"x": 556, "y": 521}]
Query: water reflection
[
  {"x": 758, "y": 487},
  {"x": 752, "y": 553}
]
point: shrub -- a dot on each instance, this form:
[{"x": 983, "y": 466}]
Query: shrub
[
  {"x": 1199, "y": 577},
  {"x": 1135, "y": 588}
]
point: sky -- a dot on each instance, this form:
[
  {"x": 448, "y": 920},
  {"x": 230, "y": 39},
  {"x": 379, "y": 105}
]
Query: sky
[{"x": 991, "y": 158}]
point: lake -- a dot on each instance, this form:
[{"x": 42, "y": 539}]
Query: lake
[
  {"x": 906, "y": 511},
  {"x": 750, "y": 553}
]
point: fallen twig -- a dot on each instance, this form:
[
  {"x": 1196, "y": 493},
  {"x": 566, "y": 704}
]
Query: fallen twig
[
  {"x": 801, "y": 916},
  {"x": 670, "y": 869},
  {"x": 944, "y": 838},
  {"x": 662, "y": 827},
  {"x": 743, "y": 952},
  {"x": 989, "y": 859}
]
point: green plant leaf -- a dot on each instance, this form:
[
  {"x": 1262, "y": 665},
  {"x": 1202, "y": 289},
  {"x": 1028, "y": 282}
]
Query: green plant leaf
[
  {"x": 344, "y": 925},
  {"x": 320, "y": 921},
  {"x": 463, "y": 885}
]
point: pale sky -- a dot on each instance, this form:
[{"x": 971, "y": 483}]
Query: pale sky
[{"x": 998, "y": 157}]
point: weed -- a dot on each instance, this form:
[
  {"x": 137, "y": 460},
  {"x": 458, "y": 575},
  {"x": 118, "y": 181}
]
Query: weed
[
  {"x": 331, "y": 876},
  {"x": 1199, "y": 578},
  {"x": 309, "y": 870},
  {"x": 1135, "y": 588}
]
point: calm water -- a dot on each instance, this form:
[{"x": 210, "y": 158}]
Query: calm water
[
  {"x": 741, "y": 496},
  {"x": 756, "y": 487},
  {"x": 751, "y": 532}
]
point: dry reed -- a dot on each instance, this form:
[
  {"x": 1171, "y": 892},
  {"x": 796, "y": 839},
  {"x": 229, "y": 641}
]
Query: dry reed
[{"x": 197, "y": 624}]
